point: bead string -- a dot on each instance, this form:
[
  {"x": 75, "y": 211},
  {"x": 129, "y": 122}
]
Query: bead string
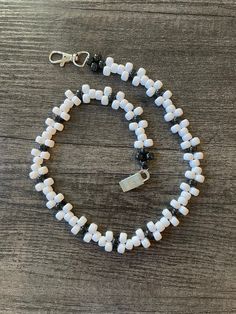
[{"x": 162, "y": 97}]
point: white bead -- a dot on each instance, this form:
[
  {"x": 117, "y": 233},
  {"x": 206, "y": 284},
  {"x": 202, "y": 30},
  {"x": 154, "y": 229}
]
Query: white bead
[
  {"x": 35, "y": 167},
  {"x": 184, "y": 123},
  {"x": 198, "y": 155},
  {"x": 183, "y": 132},
  {"x": 120, "y": 96},
  {"x": 136, "y": 81},
  {"x": 158, "y": 84},
  {"x": 92, "y": 228},
  {"x": 86, "y": 98},
  {"x": 38, "y": 160},
  {"x": 65, "y": 107},
  {"x": 129, "y": 115},
  {"x": 143, "y": 124},
  {"x": 107, "y": 91},
  {"x": 151, "y": 91},
  {"x": 56, "y": 110},
  {"x": 72, "y": 221},
  {"x": 69, "y": 94},
  {"x": 102, "y": 241},
  {"x": 49, "y": 122},
  {"x": 185, "y": 186},
  {"x": 85, "y": 88},
  {"x": 92, "y": 93},
  {"x": 175, "y": 128},
  {"x": 76, "y": 100},
  {"x": 76, "y": 229},
  {"x": 121, "y": 248},
  {"x": 169, "y": 116},
  {"x": 108, "y": 247},
  {"x": 151, "y": 226},
  {"x": 59, "y": 197},
  {"x": 120, "y": 69},
  {"x": 133, "y": 126},
  {"x": 144, "y": 80},
  {"x": 123, "y": 237},
  {"x": 138, "y": 111},
  {"x": 145, "y": 243},
  {"x": 48, "y": 181},
  {"x": 82, "y": 221},
  {"x": 49, "y": 143},
  {"x": 167, "y": 94},
  {"x": 125, "y": 76},
  {"x": 51, "y": 130},
  {"x": 129, "y": 245},
  {"x": 165, "y": 221},
  {"x": 123, "y": 103},
  {"x": 98, "y": 94},
  {"x": 129, "y": 107},
  {"x": 68, "y": 207},
  {"x": 185, "y": 145},
  {"x": 129, "y": 67},
  {"x": 148, "y": 142},
  {"x": 194, "y": 163},
  {"x": 58, "y": 126},
  {"x": 106, "y": 70},
  {"x": 185, "y": 194},
  {"x": 33, "y": 175},
  {"x": 87, "y": 237},
  {"x": 183, "y": 210},
  {"x": 149, "y": 84},
  {"x": 69, "y": 102},
  {"x": 109, "y": 61},
  {"x": 170, "y": 108},
  {"x": 104, "y": 100},
  {"x": 194, "y": 191},
  {"x": 45, "y": 155},
  {"x": 183, "y": 200},
  {"x": 175, "y": 204},
  {"x": 157, "y": 235},
  {"x": 166, "y": 213},
  {"x": 188, "y": 156},
  {"x": 189, "y": 174},
  {"x": 48, "y": 189},
  {"x": 159, "y": 101},
  {"x": 199, "y": 178},
  {"x": 114, "y": 68},
  {"x": 178, "y": 112},
  {"x": 43, "y": 170},
  {"x": 39, "y": 140},
  {"x": 141, "y": 72},
  {"x": 39, "y": 186},
  {"x": 135, "y": 240},
  {"x": 174, "y": 221},
  {"x": 167, "y": 102},
  {"x": 96, "y": 236},
  {"x": 187, "y": 137},
  {"x": 68, "y": 216},
  {"x": 50, "y": 195},
  {"x": 139, "y": 131},
  {"x": 142, "y": 137},
  {"x": 195, "y": 141},
  {"x": 109, "y": 235},
  {"x": 159, "y": 226},
  {"x": 50, "y": 204},
  {"x": 35, "y": 152},
  {"x": 139, "y": 232}
]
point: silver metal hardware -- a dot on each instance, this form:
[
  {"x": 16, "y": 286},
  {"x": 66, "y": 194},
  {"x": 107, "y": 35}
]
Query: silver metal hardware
[
  {"x": 67, "y": 57},
  {"x": 134, "y": 180}
]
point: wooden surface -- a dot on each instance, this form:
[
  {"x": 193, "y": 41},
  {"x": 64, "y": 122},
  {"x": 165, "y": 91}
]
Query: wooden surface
[{"x": 190, "y": 46}]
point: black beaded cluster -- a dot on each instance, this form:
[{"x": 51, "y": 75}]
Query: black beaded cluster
[
  {"x": 159, "y": 92},
  {"x": 96, "y": 62},
  {"x": 132, "y": 74},
  {"x": 43, "y": 148},
  {"x": 143, "y": 156},
  {"x": 59, "y": 119}
]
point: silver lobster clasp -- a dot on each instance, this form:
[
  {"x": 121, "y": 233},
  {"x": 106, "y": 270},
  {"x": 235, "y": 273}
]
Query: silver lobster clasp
[{"x": 67, "y": 57}]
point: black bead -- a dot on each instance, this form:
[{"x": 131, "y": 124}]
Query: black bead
[
  {"x": 101, "y": 64},
  {"x": 141, "y": 156},
  {"x": 90, "y": 60},
  {"x": 144, "y": 164},
  {"x": 159, "y": 92},
  {"x": 137, "y": 119},
  {"x": 111, "y": 97},
  {"x": 79, "y": 94},
  {"x": 94, "y": 67},
  {"x": 43, "y": 148},
  {"x": 173, "y": 211},
  {"x": 41, "y": 178},
  {"x": 132, "y": 74},
  {"x": 191, "y": 149},
  {"x": 97, "y": 57},
  {"x": 175, "y": 120},
  {"x": 148, "y": 234},
  {"x": 84, "y": 228},
  {"x": 115, "y": 243},
  {"x": 150, "y": 156},
  {"x": 192, "y": 182},
  {"x": 59, "y": 119},
  {"x": 61, "y": 204}
]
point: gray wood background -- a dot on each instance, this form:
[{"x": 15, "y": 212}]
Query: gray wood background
[{"x": 190, "y": 46}]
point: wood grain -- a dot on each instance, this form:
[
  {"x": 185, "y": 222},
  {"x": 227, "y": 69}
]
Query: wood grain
[{"x": 190, "y": 46}]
